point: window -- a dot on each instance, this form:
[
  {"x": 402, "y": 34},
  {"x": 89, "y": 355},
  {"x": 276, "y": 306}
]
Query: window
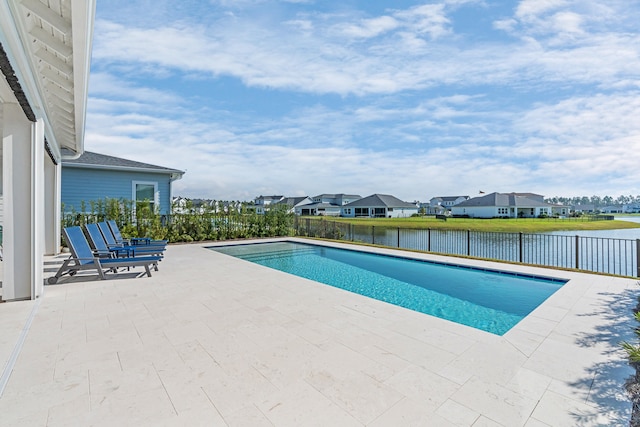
[
  {"x": 146, "y": 192},
  {"x": 503, "y": 211}
]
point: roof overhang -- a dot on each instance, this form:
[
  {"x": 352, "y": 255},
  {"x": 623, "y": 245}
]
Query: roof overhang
[
  {"x": 49, "y": 48},
  {"x": 175, "y": 173}
]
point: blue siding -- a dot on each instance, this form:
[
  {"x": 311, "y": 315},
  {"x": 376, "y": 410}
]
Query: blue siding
[{"x": 79, "y": 184}]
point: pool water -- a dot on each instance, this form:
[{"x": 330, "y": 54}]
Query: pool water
[{"x": 489, "y": 300}]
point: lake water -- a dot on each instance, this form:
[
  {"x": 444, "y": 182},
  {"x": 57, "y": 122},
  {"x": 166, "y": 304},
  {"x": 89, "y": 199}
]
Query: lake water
[
  {"x": 604, "y": 251},
  {"x": 626, "y": 233}
]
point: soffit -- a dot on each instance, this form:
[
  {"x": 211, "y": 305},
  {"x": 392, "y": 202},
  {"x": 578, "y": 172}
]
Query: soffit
[{"x": 57, "y": 47}]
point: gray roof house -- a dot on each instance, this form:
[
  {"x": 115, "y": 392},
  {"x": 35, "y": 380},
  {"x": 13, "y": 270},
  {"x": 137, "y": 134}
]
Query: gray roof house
[
  {"x": 510, "y": 205},
  {"x": 379, "y": 206},
  {"x": 94, "y": 176},
  {"x": 294, "y": 203},
  {"x": 327, "y": 204}
]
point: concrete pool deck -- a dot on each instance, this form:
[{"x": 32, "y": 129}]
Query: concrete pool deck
[{"x": 214, "y": 340}]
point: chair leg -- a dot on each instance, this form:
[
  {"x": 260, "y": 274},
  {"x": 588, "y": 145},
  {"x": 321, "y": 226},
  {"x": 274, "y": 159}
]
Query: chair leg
[{"x": 61, "y": 271}]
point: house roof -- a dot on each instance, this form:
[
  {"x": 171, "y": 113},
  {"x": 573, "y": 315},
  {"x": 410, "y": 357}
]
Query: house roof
[
  {"x": 292, "y": 201},
  {"x": 270, "y": 197},
  {"x": 522, "y": 200},
  {"x": 385, "y": 200},
  {"x": 335, "y": 196},
  {"x": 449, "y": 198},
  {"x": 93, "y": 160}
]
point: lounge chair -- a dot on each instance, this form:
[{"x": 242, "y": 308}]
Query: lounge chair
[
  {"x": 83, "y": 258},
  {"x": 133, "y": 240},
  {"x": 101, "y": 246},
  {"x": 111, "y": 240}
]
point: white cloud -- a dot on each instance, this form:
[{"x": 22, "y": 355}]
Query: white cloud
[
  {"x": 404, "y": 50},
  {"x": 369, "y": 27}
]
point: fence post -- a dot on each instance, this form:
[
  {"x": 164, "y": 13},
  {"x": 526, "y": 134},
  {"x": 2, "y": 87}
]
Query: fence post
[
  {"x": 308, "y": 227},
  {"x": 468, "y": 242},
  {"x": 373, "y": 234},
  {"x": 638, "y": 257},
  {"x": 398, "y": 237},
  {"x": 351, "y": 231},
  {"x": 520, "y": 248},
  {"x": 577, "y": 252},
  {"x": 428, "y": 239}
]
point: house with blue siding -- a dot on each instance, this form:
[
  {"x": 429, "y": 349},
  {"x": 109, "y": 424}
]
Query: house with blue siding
[{"x": 94, "y": 176}]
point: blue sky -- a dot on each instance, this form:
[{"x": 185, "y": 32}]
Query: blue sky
[{"x": 411, "y": 98}]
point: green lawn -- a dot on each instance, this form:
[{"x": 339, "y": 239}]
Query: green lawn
[{"x": 525, "y": 225}]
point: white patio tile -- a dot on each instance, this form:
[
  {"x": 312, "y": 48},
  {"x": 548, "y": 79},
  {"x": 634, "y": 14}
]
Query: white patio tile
[
  {"x": 428, "y": 387},
  {"x": 557, "y": 410},
  {"x": 358, "y": 394},
  {"x": 457, "y": 414},
  {"x": 535, "y": 423},
  {"x": 526, "y": 342},
  {"x": 301, "y": 404},
  {"x": 495, "y": 361},
  {"x": 495, "y": 402},
  {"x": 412, "y": 413},
  {"x": 529, "y": 383},
  {"x": 248, "y": 416},
  {"x": 486, "y": 422}
]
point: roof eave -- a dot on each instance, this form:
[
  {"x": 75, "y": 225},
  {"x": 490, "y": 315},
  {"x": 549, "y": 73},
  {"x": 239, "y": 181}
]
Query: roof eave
[{"x": 124, "y": 168}]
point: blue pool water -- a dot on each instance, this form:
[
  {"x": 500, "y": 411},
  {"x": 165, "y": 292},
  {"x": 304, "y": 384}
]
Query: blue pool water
[{"x": 489, "y": 300}]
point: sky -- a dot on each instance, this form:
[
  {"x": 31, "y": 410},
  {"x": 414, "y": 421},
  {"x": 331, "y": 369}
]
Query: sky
[{"x": 411, "y": 98}]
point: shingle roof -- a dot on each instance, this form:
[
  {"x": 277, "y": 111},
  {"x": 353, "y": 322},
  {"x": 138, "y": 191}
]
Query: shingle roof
[
  {"x": 385, "y": 200},
  {"x": 91, "y": 159},
  {"x": 335, "y": 196},
  {"x": 504, "y": 199},
  {"x": 291, "y": 201},
  {"x": 449, "y": 198}
]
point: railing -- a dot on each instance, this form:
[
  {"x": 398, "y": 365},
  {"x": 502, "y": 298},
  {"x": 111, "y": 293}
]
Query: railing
[{"x": 595, "y": 254}]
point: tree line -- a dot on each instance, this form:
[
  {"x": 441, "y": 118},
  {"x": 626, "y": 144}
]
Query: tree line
[{"x": 597, "y": 201}]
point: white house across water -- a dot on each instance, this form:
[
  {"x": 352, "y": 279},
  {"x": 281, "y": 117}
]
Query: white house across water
[{"x": 508, "y": 205}]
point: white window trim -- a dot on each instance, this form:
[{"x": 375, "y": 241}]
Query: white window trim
[{"x": 156, "y": 193}]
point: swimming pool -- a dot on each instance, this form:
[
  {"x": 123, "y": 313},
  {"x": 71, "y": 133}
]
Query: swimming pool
[{"x": 490, "y": 300}]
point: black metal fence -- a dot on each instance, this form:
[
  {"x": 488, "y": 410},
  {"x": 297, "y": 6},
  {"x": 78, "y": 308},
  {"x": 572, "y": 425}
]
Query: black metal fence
[{"x": 596, "y": 254}]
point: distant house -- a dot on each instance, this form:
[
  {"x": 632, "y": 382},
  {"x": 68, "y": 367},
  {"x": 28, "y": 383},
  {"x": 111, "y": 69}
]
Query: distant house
[
  {"x": 327, "y": 204},
  {"x": 442, "y": 204},
  {"x": 612, "y": 209},
  {"x": 336, "y": 199},
  {"x": 510, "y": 205},
  {"x": 294, "y": 203},
  {"x": 94, "y": 176},
  {"x": 379, "y": 206},
  {"x": 262, "y": 203},
  {"x": 560, "y": 210},
  {"x": 631, "y": 208},
  {"x": 586, "y": 208}
]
